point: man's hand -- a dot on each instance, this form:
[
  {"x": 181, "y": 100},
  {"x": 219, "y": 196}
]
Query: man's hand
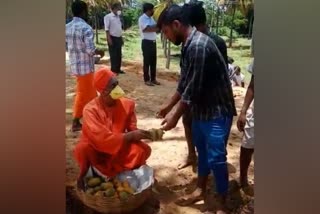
[
  {"x": 138, "y": 135},
  {"x": 163, "y": 112},
  {"x": 169, "y": 123},
  {"x": 99, "y": 52},
  {"x": 241, "y": 122},
  {"x": 109, "y": 40}
]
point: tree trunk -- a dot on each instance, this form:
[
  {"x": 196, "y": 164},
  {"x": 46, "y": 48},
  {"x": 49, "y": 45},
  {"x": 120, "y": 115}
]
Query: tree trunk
[
  {"x": 165, "y": 47},
  {"x": 232, "y": 24},
  {"x": 217, "y": 24},
  {"x": 96, "y": 24}
]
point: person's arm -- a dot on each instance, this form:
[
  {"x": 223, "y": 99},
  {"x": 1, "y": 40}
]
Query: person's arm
[
  {"x": 197, "y": 57},
  {"x": 132, "y": 120},
  {"x": 89, "y": 41},
  {"x": 146, "y": 27},
  {"x": 103, "y": 139},
  {"x": 152, "y": 28},
  {"x": 247, "y": 102},
  {"x": 174, "y": 99},
  {"x": 107, "y": 28},
  {"x": 248, "y": 97}
]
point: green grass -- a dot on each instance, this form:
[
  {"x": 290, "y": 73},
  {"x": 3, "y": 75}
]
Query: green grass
[{"x": 240, "y": 51}]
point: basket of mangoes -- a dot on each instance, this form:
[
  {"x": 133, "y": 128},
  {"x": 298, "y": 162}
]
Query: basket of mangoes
[{"x": 112, "y": 196}]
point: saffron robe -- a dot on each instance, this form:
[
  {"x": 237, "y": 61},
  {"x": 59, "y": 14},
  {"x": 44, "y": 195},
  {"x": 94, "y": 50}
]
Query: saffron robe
[{"x": 102, "y": 141}]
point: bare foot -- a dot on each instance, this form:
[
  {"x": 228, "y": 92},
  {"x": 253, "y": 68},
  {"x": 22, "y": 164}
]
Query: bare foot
[
  {"x": 248, "y": 190},
  {"x": 191, "y": 198},
  {"x": 191, "y": 160}
]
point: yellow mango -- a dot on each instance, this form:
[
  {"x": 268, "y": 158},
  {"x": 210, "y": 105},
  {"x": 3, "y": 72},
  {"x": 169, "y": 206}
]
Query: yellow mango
[
  {"x": 129, "y": 190},
  {"x": 125, "y": 184},
  {"x": 120, "y": 189},
  {"x": 110, "y": 192},
  {"x": 93, "y": 182},
  {"x": 107, "y": 185},
  {"x": 123, "y": 196}
]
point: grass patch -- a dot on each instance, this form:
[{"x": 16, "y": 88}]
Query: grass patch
[{"x": 240, "y": 51}]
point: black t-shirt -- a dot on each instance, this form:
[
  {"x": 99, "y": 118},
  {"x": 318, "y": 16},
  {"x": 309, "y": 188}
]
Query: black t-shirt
[{"x": 221, "y": 45}]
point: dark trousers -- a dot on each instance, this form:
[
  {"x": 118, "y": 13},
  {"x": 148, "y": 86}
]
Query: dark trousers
[
  {"x": 149, "y": 50},
  {"x": 115, "y": 52}
]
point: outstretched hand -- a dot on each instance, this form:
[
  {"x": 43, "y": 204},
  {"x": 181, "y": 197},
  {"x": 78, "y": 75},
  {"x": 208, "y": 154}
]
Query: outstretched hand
[
  {"x": 169, "y": 123},
  {"x": 139, "y": 134},
  {"x": 163, "y": 112}
]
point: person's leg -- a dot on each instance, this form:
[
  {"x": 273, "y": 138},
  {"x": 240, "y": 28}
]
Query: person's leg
[
  {"x": 120, "y": 55},
  {"x": 118, "y": 48},
  {"x": 85, "y": 92},
  {"x": 146, "y": 62},
  {"x": 247, "y": 149},
  {"x": 153, "y": 63},
  {"x": 187, "y": 124},
  {"x": 203, "y": 167},
  {"x": 80, "y": 153},
  {"x": 216, "y": 131},
  {"x": 112, "y": 52}
]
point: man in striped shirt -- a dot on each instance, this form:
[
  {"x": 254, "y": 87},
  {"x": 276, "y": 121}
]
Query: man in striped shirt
[
  {"x": 204, "y": 87},
  {"x": 81, "y": 50}
]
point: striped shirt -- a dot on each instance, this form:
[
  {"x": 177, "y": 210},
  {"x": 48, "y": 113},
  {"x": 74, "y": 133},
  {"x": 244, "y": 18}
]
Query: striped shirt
[
  {"x": 204, "y": 83},
  {"x": 81, "y": 48}
]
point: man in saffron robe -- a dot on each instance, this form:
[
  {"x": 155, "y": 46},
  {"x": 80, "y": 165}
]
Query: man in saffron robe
[{"x": 110, "y": 141}]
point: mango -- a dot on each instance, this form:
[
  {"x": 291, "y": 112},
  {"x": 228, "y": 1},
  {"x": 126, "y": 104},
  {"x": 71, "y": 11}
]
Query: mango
[
  {"x": 129, "y": 190},
  {"x": 156, "y": 134},
  {"x": 110, "y": 192},
  {"x": 93, "y": 182},
  {"x": 99, "y": 193},
  {"x": 120, "y": 189},
  {"x": 105, "y": 186},
  {"x": 90, "y": 191},
  {"x": 125, "y": 184},
  {"x": 116, "y": 182},
  {"x": 97, "y": 188},
  {"x": 123, "y": 196}
]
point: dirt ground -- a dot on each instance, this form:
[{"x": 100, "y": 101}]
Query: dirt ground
[{"x": 166, "y": 155}]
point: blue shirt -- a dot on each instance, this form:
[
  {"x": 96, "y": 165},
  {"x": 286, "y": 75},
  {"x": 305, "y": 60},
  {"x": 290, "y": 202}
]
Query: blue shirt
[{"x": 145, "y": 21}]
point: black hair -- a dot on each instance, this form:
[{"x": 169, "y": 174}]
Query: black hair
[
  {"x": 78, "y": 7},
  {"x": 115, "y": 6},
  {"x": 196, "y": 13},
  {"x": 146, "y": 7},
  {"x": 172, "y": 13}
]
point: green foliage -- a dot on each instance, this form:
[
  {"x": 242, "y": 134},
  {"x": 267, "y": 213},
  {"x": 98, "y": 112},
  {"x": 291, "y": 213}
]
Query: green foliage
[
  {"x": 240, "y": 22},
  {"x": 131, "y": 16}
]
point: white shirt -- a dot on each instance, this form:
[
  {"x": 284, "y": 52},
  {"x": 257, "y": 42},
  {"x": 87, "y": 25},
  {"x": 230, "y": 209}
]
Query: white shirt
[
  {"x": 112, "y": 23},
  {"x": 145, "y": 21},
  {"x": 238, "y": 79}
]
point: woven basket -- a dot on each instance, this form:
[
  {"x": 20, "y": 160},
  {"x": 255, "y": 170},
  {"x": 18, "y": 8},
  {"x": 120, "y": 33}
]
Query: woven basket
[{"x": 114, "y": 205}]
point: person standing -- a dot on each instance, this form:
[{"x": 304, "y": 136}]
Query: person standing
[
  {"x": 113, "y": 28},
  {"x": 205, "y": 89},
  {"x": 148, "y": 30},
  {"x": 197, "y": 18},
  {"x": 245, "y": 124},
  {"x": 81, "y": 51}
]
